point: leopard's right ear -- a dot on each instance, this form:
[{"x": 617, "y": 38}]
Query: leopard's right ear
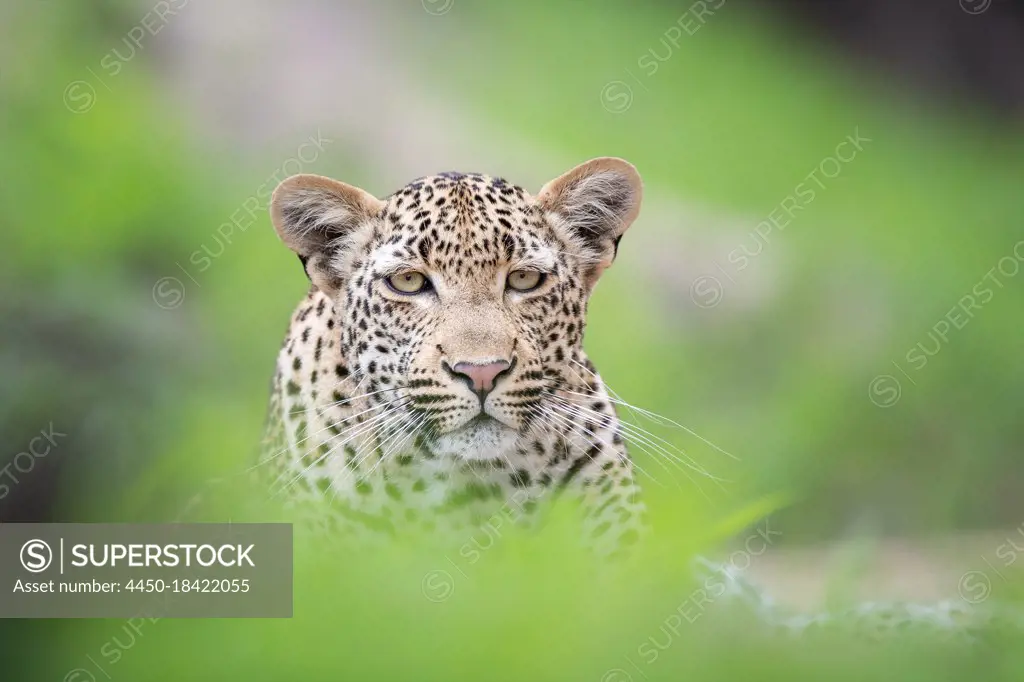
[{"x": 314, "y": 216}]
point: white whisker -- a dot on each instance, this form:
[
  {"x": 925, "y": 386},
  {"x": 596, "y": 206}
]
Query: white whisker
[
  {"x": 635, "y": 432},
  {"x": 352, "y": 432},
  {"x": 392, "y": 431},
  {"x": 410, "y": 427},
  {"x": 365, "y": 449},
  {"x": 338, "y": 403},
  {"x": 573, "y": 425},
  {"x": 315, "y": 433},
  {"x": 657, "y": 418},
  {"x": 656, "y": 457}
]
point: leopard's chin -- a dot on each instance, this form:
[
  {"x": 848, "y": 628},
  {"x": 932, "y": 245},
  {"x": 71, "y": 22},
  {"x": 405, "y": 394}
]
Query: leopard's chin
[{"x": 483, "y": 438}]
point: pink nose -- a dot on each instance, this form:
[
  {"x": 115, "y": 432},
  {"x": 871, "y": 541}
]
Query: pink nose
[{"x": 481, "y": 377}]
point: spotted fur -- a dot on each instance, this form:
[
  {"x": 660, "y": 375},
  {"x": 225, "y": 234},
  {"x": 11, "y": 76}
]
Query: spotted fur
[{"x": 366, "y": 411}]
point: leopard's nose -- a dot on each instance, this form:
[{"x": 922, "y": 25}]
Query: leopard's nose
[{"x": 481, "y": 377}]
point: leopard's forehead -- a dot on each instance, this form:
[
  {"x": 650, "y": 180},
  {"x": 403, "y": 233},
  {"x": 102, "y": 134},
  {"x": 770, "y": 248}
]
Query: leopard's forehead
[
  {"x": 452, "y": 183},
  {"x": 465, "y": 222}
]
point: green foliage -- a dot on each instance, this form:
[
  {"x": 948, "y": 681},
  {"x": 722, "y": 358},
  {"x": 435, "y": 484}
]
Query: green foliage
[{"x": 502, "y": 604}]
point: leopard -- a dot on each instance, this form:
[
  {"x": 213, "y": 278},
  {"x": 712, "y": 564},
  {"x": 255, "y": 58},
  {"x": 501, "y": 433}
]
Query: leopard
[{"x": 434, "y": 377}]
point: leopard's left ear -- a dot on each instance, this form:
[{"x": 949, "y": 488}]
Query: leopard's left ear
[{"x": 595, "y": 203}]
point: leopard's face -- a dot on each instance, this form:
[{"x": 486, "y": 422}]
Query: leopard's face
[
  {"x": 461, "y": 298},
  {"x": 465, "y": 307}
]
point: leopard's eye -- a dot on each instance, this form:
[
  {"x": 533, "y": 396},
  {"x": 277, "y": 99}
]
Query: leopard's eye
[
  {"x": 410, "y": 282},
  {"x": 525, "y": 280}
]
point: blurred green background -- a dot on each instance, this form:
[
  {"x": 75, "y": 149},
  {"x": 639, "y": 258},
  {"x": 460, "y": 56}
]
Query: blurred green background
[{"x": 833, "y": 352}]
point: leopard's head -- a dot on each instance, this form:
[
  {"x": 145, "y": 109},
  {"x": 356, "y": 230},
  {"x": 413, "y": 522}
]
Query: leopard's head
[{"x": 461, "y": 298}]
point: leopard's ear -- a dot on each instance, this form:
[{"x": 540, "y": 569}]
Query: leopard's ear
[
  {"x": 315, "y": 217},
  {"x": 595, "y": 203}
]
